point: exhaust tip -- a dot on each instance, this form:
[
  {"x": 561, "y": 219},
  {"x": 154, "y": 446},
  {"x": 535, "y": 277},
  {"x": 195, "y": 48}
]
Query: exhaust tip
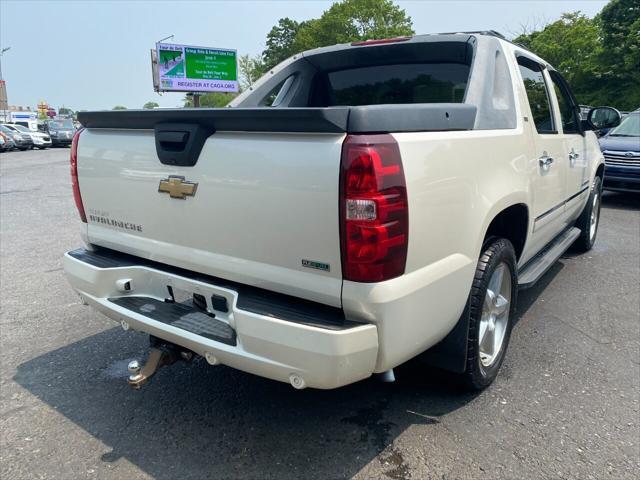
[
  {"x": 211, "y": 358},
  {"x": 297, "y": 381}
]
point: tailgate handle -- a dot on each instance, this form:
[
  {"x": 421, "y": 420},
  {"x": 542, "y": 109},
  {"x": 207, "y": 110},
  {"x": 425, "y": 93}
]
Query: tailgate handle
[
  {"x": 173, "y": 139},
  {"x": 180, "y": 143}
]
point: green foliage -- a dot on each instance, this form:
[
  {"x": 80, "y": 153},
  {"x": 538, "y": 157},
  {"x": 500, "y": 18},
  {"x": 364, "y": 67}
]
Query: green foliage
[
  {"x": 119, "y": 107},
  {"x": 65, "y": 111},
  {"x": 620, "y": 25},
  {"x": 351, "y": 20},
  {"x": 280, "y": 42},
  {"x": 599, "y": 57},
  {"x": 251, "y": 69},
  {"x": 150, "y": 105},
  {"x": 345, "y": 21},
  {"x": 211, "y": 100},
  {"x": 572, "y": 45}
]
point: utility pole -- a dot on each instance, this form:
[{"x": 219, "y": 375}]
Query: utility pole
[{"x": 4, "y": 102}]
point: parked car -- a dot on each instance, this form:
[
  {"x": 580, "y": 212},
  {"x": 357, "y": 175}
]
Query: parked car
[
  {"x": 361, "y": 205},
  {"x": 621, "y": 149},
  {"x": 61, "y": 131},
  {"x": 22, "y": 141},
  {"x": 40, "y": 140},
  {"x": 8, "y": 142},
  {"x": 3, "y": 144}
]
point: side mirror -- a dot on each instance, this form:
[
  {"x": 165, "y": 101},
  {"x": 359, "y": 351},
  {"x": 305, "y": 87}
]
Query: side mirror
[{"x": 603, "y": 117}]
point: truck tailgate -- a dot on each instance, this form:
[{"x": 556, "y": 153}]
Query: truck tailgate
[{"x": 264, "y": 212}]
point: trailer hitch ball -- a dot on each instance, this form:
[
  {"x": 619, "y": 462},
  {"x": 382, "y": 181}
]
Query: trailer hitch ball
[
  {"x": 134, "y": 371},
  {"x": 134, "y": 367},
  {"x": 158, "y": 357}
]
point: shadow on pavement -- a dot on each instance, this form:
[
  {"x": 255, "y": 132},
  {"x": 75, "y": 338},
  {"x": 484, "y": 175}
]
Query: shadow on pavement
[
  {"x": 196, "y": 421},
  {"x": 526, "y": 298},
  {"x": 621, "y": 200}
]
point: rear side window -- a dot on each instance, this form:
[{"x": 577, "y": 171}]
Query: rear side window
[
  {"x": 391, "y": 84},
  {"x": 537, "y": 94}
]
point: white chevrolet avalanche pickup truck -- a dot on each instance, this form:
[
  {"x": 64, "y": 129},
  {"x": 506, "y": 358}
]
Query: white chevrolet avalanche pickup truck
[{"x": 358, "y": 206}]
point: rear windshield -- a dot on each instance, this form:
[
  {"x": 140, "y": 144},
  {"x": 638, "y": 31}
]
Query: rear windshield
[{"x": 392, "y": 84}]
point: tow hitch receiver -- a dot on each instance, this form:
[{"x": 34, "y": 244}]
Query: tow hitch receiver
[{"x": 159, "y": 356}]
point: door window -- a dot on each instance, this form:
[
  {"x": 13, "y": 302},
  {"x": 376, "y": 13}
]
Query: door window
[
  {"x": 537, "y": 94},
  {"x": 568, "y": 110}
]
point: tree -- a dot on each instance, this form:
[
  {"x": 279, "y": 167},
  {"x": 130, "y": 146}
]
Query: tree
[
  {"x": 620, "y": 56},
  {"x": 572, "y": 45},
  {"x": 65, "y": 111},
  {"x": 150, "y": 105},
  {"x": 600, "y": 57},
  {"x": 251, "y": 69},
  {"x": 119, "y": 107},
  {"x": 351, "y": 20},
  {"x": 280, "y": 42}
]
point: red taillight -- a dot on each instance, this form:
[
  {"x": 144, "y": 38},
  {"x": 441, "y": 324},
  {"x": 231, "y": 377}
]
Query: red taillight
[
  {"x": 74, "y": 175},
  {"x": 380, "y": 41},
  {"x": 374, "y": 211}
]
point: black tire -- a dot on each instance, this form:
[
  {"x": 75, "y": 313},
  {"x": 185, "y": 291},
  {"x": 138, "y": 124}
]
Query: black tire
[
  {"x": 586, "y": 240},
  {"x": 496, "y": 251}
]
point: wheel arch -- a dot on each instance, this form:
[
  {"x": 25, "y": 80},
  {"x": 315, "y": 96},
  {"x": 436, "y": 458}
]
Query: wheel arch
[
  {"x": 511, "y": 223},
  {"x": 508, "y": 219}
]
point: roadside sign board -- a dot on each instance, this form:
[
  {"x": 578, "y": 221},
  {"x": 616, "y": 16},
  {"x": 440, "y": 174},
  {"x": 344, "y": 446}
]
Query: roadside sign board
[{"x": 185, "y": 68}]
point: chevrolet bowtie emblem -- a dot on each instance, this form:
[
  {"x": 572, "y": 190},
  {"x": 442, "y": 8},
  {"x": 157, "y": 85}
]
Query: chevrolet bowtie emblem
[{"x": 177, "y": 187}]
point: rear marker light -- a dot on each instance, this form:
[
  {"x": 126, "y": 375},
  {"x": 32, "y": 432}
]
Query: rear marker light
[
  {"x": 74, "y": 175},
  {"x": 373, "y": 209}
]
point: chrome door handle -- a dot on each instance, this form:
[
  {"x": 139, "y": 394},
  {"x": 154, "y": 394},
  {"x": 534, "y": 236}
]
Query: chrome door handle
[
  {"x": 573, "y": 156},
  {"x": 545, "y": 162}
]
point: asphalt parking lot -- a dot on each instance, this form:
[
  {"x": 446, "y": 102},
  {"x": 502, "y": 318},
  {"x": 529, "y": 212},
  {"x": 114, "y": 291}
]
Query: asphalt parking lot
[{"x": 566, "y": 405}]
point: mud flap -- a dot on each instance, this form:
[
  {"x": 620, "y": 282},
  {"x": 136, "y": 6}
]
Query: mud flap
[{"x": 451, "y": 353}]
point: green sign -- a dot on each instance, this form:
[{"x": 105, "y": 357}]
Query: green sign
[
  {"x": 206, "y": 64},
  {"x": 184, "y": 68}
]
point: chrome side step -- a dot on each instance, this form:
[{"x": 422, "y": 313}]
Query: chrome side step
[{"x": 535, "y": 268}]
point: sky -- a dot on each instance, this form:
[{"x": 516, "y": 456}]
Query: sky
[{"x": 94, "y": 54}]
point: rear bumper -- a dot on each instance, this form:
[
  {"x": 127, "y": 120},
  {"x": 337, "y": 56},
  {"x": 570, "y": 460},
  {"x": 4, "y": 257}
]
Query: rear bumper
[{"x": 273, "y": 340}]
